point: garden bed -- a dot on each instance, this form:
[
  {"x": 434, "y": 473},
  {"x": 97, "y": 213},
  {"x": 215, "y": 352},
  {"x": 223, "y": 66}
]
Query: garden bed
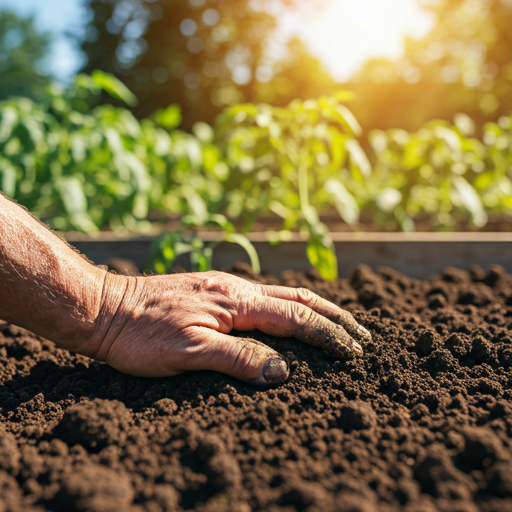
[
  {"x": 418, "y": 255},
  {"x": 421, "y": 422}
]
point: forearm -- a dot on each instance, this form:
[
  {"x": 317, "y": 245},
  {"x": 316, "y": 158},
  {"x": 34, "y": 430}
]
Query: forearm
[{"x": 45, "y": 286}]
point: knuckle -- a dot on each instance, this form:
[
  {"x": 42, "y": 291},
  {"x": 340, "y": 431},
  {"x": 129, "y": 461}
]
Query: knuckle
[
  {"x": 225, "y": 284},
  {"x": 215, "y": 282},
  {"x": 347, "y": 317},
  {"x": 300, "y": 314},
  {"x": 244, "y": 359},
  {"x": 306, "y": 296}
]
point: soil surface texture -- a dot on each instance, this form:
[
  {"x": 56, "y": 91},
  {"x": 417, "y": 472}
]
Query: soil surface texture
[{"x": 422, "y": 422}]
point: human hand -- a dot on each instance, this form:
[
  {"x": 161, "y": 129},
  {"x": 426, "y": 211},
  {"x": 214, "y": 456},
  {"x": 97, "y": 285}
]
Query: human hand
[
  {"x": 161, "y": 325},
  {"x": 164, "y": 325}
]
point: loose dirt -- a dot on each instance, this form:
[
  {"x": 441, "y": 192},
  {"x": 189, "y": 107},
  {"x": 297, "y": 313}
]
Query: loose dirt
[{"x": 422, "y": 422}]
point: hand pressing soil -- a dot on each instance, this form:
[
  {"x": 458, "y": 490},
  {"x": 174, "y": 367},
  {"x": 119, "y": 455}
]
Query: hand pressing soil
[
  {"x": 421, "y": 422},
  {"x": 157, "y": 326}
]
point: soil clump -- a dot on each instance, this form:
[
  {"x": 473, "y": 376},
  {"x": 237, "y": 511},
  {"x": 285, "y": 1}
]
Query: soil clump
[{"x": 421, "y": 422}]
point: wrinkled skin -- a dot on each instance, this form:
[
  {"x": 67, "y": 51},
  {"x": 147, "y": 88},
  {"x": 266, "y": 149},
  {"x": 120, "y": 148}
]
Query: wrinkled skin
[
  {"x": 169, "y": 324},
  {"x": 159, "y": 325}
]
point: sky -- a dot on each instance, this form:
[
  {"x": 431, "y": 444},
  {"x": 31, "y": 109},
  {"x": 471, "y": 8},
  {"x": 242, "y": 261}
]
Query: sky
[
  {"x": 343, "y": 35},
  {"x": 58, "y": 17}
]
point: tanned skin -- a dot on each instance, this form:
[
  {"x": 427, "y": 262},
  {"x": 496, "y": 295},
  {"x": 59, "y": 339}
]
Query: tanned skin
[{"x": 159, "y": 325}]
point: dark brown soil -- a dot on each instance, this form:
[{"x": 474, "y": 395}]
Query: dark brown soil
[{"x": 422, "y": 422}]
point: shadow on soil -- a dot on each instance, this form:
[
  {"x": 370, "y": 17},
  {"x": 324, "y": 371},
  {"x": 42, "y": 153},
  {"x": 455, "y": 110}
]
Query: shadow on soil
[{"x": 98, "y": 380}]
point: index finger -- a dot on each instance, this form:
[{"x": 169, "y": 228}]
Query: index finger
[
  {"x": 279, "y": 317},
  {"x": 320, "y": 305}
]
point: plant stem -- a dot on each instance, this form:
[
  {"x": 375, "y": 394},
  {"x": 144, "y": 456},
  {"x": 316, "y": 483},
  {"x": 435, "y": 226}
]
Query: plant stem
[{"x": 303, "y": 182}]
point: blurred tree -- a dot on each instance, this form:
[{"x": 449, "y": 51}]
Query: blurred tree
[
  {"x": 291, "y": 77},
  {"x": 463, "y": 65},
  {"x": 22, "y": 49},
  {"x": 202, "y": 54}
]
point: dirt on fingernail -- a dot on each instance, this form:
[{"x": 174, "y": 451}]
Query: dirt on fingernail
[
  {"x": 364, "y": 333},
  {"x": 275, "y": 370}
]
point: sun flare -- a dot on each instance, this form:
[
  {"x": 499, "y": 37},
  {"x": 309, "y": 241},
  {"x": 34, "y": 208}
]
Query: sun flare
[{"x": 347, "y": 32}]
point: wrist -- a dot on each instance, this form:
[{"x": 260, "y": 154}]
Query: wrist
[
  {"x": 76, "y": 330},
  {"x": 114, "y": 311},
  {"x": 45, "y": 286}
]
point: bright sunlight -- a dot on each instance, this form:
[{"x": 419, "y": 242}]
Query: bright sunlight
[{"x": 347, "y": 32}]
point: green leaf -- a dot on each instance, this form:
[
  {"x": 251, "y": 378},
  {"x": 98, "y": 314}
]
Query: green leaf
[
  {"x": 165, "y": 249},
  {"x": 343, "y": 201},
  {"x": 196, "y": 204},
  {"x": 280, "y": 209},
  {"x": 244, "y": 242},
  {"x": 211, "y": 157},
  {"x": 8, "y": 120},
  {"x": 350, "y": 120},
  {"x": 8, "y": 175},
  {"x": 75, "y": 203},
  {"x": 113, "y": 86},
  {"x": 169, "y": 117},
  {"x": 321, "y": 252},
  {"x": 201, "y": 258},
  {"x": 471, "y": 200},
  {"x": 222, "y": 221},
  {"x": 358, "y": 157}
]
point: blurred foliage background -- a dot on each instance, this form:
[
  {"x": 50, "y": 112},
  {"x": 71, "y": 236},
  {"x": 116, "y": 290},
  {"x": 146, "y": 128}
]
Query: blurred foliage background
[
  {"x": 183, "y": 110},
  {"x": 203, "y": 55},
  {"x": 208, "y": 54},
  {"x": 22, "y": 49},
  {"x": 463, "y": 65}
]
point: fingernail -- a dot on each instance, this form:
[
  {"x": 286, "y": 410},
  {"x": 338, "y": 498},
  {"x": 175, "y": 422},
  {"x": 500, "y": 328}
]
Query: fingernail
[
  {"x": 364, "y": 333},
  {"x": 275, "y": 370},
  {"x": 357, "y": 348},
  {"x": 345, "y": 348}
]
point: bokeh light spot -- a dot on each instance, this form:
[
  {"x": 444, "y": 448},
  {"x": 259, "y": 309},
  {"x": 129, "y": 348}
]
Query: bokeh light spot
[
  {"x": 242, "y": 74},
  {"x": 211, "y": 17},
  {"x": 188, "y": 27}
]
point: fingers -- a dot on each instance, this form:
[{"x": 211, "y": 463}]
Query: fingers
[
  {"x": 280, "y": 317},
  {"x": 243, "y": 358},
  {"x": 321, "y": 306}
]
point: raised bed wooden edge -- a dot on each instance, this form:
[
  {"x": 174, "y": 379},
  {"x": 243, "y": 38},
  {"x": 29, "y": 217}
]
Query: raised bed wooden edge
[{"x": 418, "y": 255}]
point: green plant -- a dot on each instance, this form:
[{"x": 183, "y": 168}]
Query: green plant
[
  {"x": 493, "y": 182},
  {"x": 441, "y": 173},
  {"x": 82, "y": 166},
  {"x": 166, "y": 248},
  {"x": 294, "y": 161},
  {"x": 75, "y": 167}
]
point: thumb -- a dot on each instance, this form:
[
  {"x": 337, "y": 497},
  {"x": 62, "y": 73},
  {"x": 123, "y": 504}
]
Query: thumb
[{"x": 243, "y": 358}]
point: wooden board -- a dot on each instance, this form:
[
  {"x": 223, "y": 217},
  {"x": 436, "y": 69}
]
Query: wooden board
[{"x": 418, "y": 255}]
